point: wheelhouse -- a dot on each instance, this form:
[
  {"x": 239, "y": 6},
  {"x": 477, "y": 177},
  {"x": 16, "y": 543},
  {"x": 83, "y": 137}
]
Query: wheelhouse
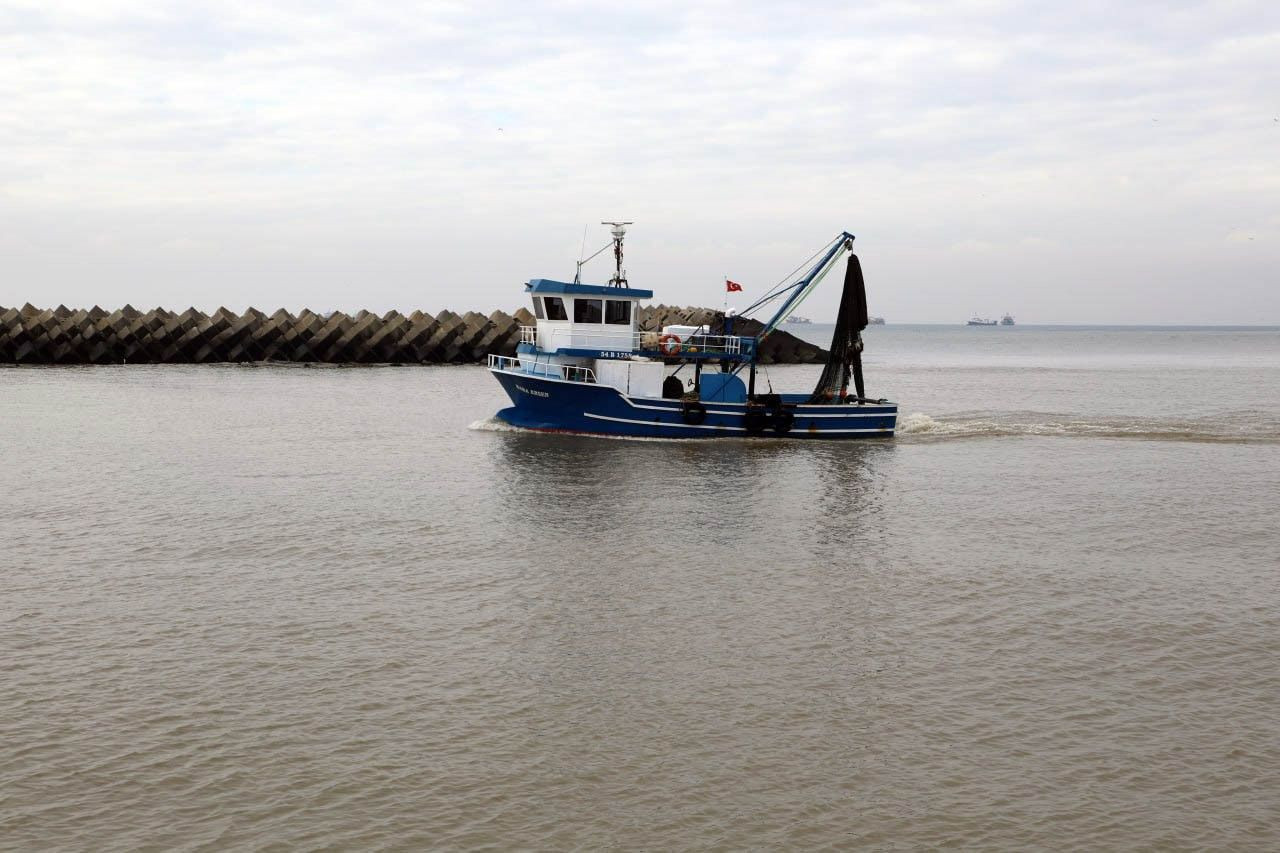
[{"x": 587, "y": 320}]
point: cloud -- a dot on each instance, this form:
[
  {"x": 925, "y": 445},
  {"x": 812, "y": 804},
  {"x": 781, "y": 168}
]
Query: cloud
[{"x": 215, "y": 152}]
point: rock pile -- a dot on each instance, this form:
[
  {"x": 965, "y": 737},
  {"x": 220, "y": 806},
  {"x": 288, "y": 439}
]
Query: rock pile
[{"x": 29, "y": 335}]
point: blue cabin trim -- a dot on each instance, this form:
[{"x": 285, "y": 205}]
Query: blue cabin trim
[{"x": 546, "y": 285}]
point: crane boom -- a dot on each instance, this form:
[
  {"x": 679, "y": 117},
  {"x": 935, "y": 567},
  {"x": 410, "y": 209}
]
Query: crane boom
[{"x": 802, "y": 288}]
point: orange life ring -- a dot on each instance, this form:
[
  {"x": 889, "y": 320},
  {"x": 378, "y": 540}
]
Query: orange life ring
[{"x": 669, "y": 344}]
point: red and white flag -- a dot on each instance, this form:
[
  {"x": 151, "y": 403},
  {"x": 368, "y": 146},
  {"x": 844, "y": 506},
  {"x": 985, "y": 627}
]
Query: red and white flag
[{"x": 732, "y": 286}]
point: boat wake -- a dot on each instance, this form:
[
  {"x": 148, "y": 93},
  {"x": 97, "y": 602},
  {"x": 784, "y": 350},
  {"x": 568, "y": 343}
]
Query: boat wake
[
  {"x": 494, "y": 424},
  {"x": 1227, "y": 428}
]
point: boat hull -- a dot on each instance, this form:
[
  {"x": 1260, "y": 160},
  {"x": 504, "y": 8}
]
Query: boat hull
[{"x": 544, "y": 403}]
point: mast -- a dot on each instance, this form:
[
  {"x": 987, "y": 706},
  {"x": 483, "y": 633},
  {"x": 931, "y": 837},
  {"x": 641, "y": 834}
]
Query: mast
[
  {"x": 618, "y": 231},
  {"x": 619, "y": 279}
]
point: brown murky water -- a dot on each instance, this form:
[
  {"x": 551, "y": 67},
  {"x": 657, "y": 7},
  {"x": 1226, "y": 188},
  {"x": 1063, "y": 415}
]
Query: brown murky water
[{"x": 276, "y": 607}]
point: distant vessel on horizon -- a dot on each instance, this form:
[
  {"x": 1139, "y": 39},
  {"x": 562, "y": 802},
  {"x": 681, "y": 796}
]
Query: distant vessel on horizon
[
  {"x": 980, "y": 321},
  {"x": 805, "y": 321},
  {"x": 1006, "y": 320}
]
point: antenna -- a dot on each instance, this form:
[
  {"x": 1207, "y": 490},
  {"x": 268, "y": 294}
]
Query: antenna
[
  {"x": 577, "y": 276},
  {"x": 618, "y": 231}
]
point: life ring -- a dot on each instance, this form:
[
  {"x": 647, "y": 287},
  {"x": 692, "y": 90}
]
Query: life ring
[
  {"x": 669, "y": 344},
  {"x": 693, "y": 412}
]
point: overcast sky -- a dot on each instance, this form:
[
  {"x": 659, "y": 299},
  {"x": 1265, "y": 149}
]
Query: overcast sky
[{"x": 1067, "y": 162}]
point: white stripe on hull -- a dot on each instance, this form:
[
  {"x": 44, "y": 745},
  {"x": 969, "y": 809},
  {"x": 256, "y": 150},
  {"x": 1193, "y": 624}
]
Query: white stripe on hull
[
  {"x": 712, "y": 426},
  {"x": 661, "y": 423},
  {"x": 796, "y": 408}
]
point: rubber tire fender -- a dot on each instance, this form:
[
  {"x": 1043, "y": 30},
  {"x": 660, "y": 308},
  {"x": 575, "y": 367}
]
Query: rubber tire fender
[
  {"x": 783, "y": 421},
  {"x": 755, "y": 420},
  {"x": 693, "y": 412}
]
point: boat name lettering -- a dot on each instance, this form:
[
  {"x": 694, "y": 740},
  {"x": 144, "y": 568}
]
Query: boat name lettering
[
  {"x": 531, "y": 391},
  {"x": 613, "y": 354}
]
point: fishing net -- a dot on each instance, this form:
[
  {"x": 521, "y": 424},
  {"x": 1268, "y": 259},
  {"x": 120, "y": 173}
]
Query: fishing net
[{"x": 844, "y": 359}]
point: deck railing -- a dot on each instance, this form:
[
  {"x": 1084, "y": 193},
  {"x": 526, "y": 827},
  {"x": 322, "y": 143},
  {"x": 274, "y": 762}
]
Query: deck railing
[
  {"x": 649, "y": 343},
  {"x": 567, "y": 372}
]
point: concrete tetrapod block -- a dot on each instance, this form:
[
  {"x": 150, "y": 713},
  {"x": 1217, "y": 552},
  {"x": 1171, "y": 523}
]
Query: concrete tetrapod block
[
  {"x": 142, "y": 346},
  {"x": 41, "y": 338},
  {"x": 356, "y": 342},
  {"x": 21, "y": 331},
  {"x": 269, "y": 335},
  {"x": 26, "y": 330},
  {"x": 293, "y": 344},
  {"x": 383, "y": 344},
  {"x": 243, "y": 344},
  {"x": 502, "y": 337},
  {"x": 468, "y": 341},
  {"x": 74, "y": 349},
  {"x": 219, "y": 321},
  {"x": 94, "y": 345},
  {"x": 417, "y": 339},
  {"x": 61, "y": 336},
  {"x": 225, "y": 342},
  {"x": 448, "y": 327},
  {"x": 103, "y": 345},
  {"x": 325, "y": 343},
  {"x": 183, "y": 336},
  {"x": 13, "y": 326},
  {"x": 160, "y": 333},
  {"x": 8, "y": 321},
  {"x": 237, "y": 343}
]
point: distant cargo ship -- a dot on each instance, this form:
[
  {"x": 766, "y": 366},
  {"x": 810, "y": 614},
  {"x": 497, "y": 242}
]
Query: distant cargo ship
[
  {"x": 979, "y": 321},
  {"x": 1006, "y": 320},
  {"x": 804, "y": 321}
]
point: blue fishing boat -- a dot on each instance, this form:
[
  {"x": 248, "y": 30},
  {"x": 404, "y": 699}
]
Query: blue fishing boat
[{"x": 588, "y": 367}]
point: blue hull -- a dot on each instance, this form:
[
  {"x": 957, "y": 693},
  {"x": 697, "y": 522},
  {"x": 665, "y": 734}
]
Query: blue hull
[{"x": 543, "y": 403}]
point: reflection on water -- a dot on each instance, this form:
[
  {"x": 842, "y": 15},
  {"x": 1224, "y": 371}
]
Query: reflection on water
[{"x": 740, "y": 494}]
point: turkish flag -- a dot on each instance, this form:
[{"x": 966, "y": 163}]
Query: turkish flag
[{"x": 732, "y": 286}]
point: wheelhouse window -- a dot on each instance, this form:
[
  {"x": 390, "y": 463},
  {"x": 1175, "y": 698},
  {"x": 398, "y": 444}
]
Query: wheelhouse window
[
  {"x": 588, "y": 310},
  {"x": 617, "y": 312},
  {"x": 537, "y": 308},
  {"x": 555, "y": 308}
]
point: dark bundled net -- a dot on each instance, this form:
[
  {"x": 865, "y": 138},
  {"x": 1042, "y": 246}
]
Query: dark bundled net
[{"x": 845, "y": 356}]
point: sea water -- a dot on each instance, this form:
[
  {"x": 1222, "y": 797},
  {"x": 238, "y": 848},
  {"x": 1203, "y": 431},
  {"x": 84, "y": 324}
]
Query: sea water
[{"x": 244, "y": 607}]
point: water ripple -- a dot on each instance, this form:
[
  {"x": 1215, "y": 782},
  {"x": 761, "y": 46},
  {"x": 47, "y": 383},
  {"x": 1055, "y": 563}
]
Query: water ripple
[{"x": 278, "y": 636}]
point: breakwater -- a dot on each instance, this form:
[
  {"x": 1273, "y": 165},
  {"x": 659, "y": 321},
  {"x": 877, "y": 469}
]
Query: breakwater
[{"x": 30, "y": 335}]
